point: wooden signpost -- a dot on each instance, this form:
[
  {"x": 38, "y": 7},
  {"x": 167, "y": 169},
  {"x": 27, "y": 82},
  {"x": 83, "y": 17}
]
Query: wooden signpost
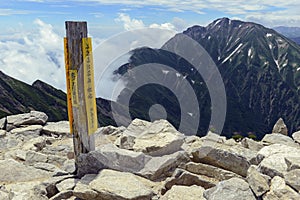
[{"x": 82, "y": 109}]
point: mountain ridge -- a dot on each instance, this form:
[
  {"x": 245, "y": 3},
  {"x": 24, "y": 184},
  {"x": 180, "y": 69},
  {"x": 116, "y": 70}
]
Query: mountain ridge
[
  {"x": 17, "y": 97},
  {"x": 260, "y": 69}
]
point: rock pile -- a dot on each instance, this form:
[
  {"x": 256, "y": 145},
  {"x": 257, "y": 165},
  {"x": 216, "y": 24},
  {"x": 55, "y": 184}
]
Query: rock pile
[{"x": 143, "y": 161}]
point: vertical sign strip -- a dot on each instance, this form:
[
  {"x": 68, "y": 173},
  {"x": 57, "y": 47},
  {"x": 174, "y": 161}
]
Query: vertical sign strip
[
  {"x": 69, "y": 97},
  {"x": 73, "y": 76},
  {"x": 89, "y": 85}
]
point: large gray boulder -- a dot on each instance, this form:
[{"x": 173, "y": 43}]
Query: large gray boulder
[
  {"x": 233, "y": 158},
  {"x": 37, "y": 143},
  {"x": 258, "y": 183},
  {"x": 234, "y": 188},
  {"x": 292, "y": 178},
  {"x": 48, "y": 167},
  {"x": 161, "y": 167},
  {"x": 33, "y": 157},
  {"x": 186, "y": 178},
  {"x": 49, "y": 187},
  {"x": 117, "y": 185},
  {"x": 137, "y": 127},
  {"x": 13, "y": 171},
  {"x": 160, "y": 143},
  {"x": 61, "y": 128},
  {"x": 184, "y": 192},
  {"x": 279, "y": 190},
  {"x": 277, "y": 138},
  {"x": 296, "y": 137},
  {"x": 251, "y": 144},
  {"x": 274, "y": 159},
  {"x": 24, "y": 190},
  {"x": 108, "y": 134},
  {"x": 191, "y": 143},
  {"x": 31, "y": 131},
  {"x": 280, "y": 127},
  {"x": 67, "y": 184},
  {"x": 32, "y": 118},
  {"x": 82, "y": 189},
  {"x": 111, "y": 157},
  {"x": 212, "y": 138},
  {"x": 210, "y": 171},
  {"x": 10, "y": 142},
  {"x": 155, "y": 139}
]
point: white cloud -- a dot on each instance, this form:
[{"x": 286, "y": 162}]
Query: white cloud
[
  {"x": 279, "y": 18},
  {"x": 113, "y": 52},
  {"x": 232, "y": 7},
  {"x": 33, "y": 55},
  {"x": 7, "y": 12},
  {"x": 180, "y": 24},
  {"x": 97, "y": 14},
  {"x": 130, "y": 24},
  {"x": 38, "y": 54},
  {"x": 285, "y": 10},
  {"x": 163, "y": 26}
]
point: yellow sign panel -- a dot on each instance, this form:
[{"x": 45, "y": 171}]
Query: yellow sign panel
[
  {"x": 69, "y": 97},
  {"x": 73, "y": 76},
  {"x": 89, "y": 85}
]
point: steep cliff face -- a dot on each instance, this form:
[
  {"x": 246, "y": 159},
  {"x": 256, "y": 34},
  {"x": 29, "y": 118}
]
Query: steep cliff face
[
  {"x": 19, "y": 97},
  {"x": 260, "y": 69}
]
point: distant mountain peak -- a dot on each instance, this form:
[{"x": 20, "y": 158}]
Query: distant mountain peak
[
  {"x": 223, "y": 20},
  {"x": 260, "y": 69}
]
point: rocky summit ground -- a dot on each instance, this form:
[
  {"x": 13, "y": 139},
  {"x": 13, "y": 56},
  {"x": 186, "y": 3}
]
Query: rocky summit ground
[{"x": 144, "y": 161}]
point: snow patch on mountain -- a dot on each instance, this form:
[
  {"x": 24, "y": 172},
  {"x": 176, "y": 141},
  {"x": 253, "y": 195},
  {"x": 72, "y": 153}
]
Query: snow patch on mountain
[
  {"x": 277, "y": 63},
  {"x": 218, "y": 21},
  {"x": 269, "y": 35},
  {"x": 285, "y": 63},
  {"x": 270, "y": 46},
  {"x": 249, "y": 52},
  {"x": 165, "y": 71},
  {"x": 240, "y": 45}
]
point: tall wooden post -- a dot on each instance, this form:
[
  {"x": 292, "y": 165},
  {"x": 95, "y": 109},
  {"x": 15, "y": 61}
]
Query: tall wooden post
[{"x": 83, "y": 142}]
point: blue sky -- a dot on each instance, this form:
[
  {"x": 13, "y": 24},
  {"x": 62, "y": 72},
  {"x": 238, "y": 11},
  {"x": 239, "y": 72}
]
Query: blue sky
[
  {"x": 102, "y": 14},
  {"x": 32, "y": 30},
  {"x": 102, "y": 17}
]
